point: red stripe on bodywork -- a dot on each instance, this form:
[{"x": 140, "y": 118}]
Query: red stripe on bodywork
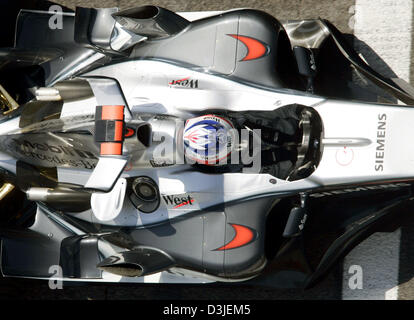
[
  {"x": 111, "y": 148},
  {"x": 119, "y": 130},
  {"x": 243, "y": 236},
  {"x": 183, "y": 204},
  {"x": 129, "y": 132},
  {"x": 255, "y": 48},
  {"x": 113, "y": 113},
  {"x": 178, "y": 81}
]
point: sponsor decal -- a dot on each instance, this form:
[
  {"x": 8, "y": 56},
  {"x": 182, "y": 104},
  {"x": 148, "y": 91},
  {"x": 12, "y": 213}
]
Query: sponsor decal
[
  {"x": 178, "y": 201},
  {"x": 184, "y": 83},
  {"x": 360, "y": 189},
  {"x": 64, "y": 150},
  {"x": 56, "y": 161},
  {"x": 57, "y": 124},
  {"x": 160, "y": 163},
  {"x": 380, "y": 148},
  {"x": 243, "y": 236},
  {"x": 255, "y": 48},
  {"x": 55, "y": 155}
]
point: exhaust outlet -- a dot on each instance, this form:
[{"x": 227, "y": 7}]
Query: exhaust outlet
[
  {"x": 137, "y": 263},
  {"x": 57, "y": 195},
  {"x": 61, "y": 198},
  {"x": 151, "y": 21}
]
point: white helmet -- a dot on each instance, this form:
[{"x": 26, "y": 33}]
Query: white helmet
[{"x": 208, "y": 139}]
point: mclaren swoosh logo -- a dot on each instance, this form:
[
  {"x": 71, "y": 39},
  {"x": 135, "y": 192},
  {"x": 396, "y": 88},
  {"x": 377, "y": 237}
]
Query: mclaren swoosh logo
[
  {"x": 255, "y": 48},
  {"x": 129, "y": 132},
  {"x": 243, "y": 236}
]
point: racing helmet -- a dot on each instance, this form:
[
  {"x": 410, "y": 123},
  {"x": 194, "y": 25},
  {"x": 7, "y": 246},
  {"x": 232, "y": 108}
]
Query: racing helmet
[{"x": 208, "y": 139}]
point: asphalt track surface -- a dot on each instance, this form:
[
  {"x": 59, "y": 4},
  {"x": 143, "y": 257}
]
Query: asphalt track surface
[{"x": 386, "y": 27}]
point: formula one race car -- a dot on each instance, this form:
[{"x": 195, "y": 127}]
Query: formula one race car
[{"x": 150, "y": 146}]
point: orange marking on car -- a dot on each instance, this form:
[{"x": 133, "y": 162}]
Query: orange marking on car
[
  {"x": 178, "y": 81},
  {"x": 129, "y": 132},
  {"x": 111, "y": 148},
  {"x": 243, "y": 236},
  {"x": 113, "y": 113},
  {"x": 255, "y": 48}
]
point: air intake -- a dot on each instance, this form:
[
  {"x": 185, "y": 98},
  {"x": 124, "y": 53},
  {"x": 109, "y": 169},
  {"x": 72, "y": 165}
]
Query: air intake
[
  {"x": 151, "y": 21},
  {"x": 137, "y": 263}
]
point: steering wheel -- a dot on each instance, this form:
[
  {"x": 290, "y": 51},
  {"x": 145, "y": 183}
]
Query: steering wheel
[{"x": 304, "y": 146}]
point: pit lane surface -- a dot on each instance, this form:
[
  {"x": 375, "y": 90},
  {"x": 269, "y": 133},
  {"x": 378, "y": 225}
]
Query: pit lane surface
[{"x": 385, "y": 258}]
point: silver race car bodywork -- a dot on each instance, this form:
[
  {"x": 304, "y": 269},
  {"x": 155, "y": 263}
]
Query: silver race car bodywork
[{"x": 93, "y": 138}]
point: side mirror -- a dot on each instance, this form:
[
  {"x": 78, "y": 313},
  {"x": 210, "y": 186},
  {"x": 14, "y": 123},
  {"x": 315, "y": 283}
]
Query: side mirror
[
  {"x": 306, "y": 65},
  {"x": 306, "y": 61},
  {"x": 94, "y": 27},
  {"x": 295, "y": 223}
]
